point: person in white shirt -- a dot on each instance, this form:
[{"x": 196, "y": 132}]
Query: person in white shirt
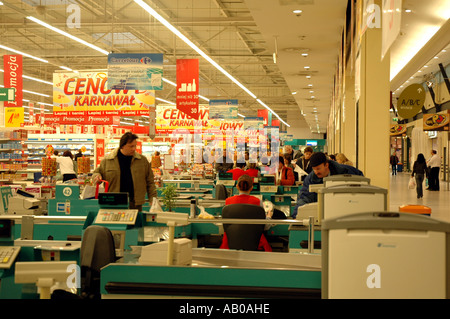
[
  {"x": 434, "y": 163},
  {"x": 66, "y": 166}
]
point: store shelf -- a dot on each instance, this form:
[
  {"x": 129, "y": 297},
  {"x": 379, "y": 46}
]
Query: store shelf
[{"x": 12, "y": 157}]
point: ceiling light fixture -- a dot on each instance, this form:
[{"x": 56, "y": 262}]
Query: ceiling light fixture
[
  {"x": 67, "y": 35},
  {"x": 297, "y": 11},
  {"x": 165, "y": 101},
  {"x": 174, "y": 30}
]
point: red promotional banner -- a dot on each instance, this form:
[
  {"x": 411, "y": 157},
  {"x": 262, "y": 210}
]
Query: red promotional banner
[
  {"x": 77, "y": 119},
  {"x": 12, "y": 78},
  {"x": 264, "y": 113},
  {"x": 139, "y": 147},
  {"x": 100, "y": 150},
  {"x": 187, "y": 86},
  {"x": 276, "y": 123}
]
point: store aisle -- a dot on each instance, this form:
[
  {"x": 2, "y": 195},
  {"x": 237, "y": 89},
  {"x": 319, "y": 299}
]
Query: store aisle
[{"x": 399, "y": 194}]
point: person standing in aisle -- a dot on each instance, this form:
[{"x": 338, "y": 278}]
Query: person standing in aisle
[
  {"x": 127, "y": 171},
  {"x": 394, "y": 161},
  {"x": 66, "y": 166},
  {"x": 434, "y": 163},
  {"x": 419, "y": 169},
  {"x": 303, "y": 162}
]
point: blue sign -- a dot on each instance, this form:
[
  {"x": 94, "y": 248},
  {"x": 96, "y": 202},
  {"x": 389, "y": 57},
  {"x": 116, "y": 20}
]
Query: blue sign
[
  {"x": 223, "y": 109},
  {"x": 135, "y": 71}
]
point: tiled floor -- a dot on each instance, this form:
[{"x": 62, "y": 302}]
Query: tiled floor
[{"x": 399, "y": 194}]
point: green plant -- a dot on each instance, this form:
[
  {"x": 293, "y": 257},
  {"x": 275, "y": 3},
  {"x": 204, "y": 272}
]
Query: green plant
[{"x": 169, "y": 196}]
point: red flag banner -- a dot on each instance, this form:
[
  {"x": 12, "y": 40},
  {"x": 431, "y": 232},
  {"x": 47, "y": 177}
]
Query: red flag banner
[
  {"x": 12, "y": 78},
  {"x": 187, "y": 86}
]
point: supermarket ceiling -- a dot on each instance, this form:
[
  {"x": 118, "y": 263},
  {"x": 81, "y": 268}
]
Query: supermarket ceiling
[{"x": 239, "y": 35}]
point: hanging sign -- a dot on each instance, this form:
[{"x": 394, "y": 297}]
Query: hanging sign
[
  {"x": 12, "y": 78},
  {"x": 390, "y": 23},
  {"x": 411, "y": 101},
  {"x": 88, "y": 92},
  {"x": 14, "y": 116},
  {"x": 187, "y": 87},
  {"x": 223, "y": 109},
  {"x": 397, "y": 129},
  {"x": 135, "y": 71},
  {"x": 266, "y": 115},
  {"x": 436, "y": 122}
]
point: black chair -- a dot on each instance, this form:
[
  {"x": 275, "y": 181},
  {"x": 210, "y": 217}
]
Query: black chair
[
  {"x": 243, "y": 236},
  {"x": 278, "y": 214},
  {"x": 221, "y": 192},
  {"x": 97, "y": 251}
]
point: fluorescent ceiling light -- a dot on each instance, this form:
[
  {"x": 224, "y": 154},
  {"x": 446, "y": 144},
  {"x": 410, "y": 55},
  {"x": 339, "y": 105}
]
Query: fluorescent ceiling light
[
  {"x": 31, "y": 92},
  {"x": 22, "y": 53},
  {"x": 67, "y": 34},
  {"x": 156, "y": 15},
  {"x": 163, "y": 21},
  {"x": 263, "y": 104},
  {"x": 165, "y": 101},
  {"x": 241, "y": 115}
]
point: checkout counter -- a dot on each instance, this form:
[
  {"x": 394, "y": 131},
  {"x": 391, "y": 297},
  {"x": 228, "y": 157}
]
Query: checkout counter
[
  {"x": 192, "y": 271},
  {"x": 174, "y": 268}
]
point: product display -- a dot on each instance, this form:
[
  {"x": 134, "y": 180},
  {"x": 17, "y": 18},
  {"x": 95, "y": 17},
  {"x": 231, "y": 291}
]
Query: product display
[
  {"x": 49, "y": 166},
  {"x": 83, "y": 165}
]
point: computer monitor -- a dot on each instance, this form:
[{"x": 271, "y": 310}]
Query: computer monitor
[
  {"x": 113, "y": 199},
  {"x": 223, "y": 175},
  {"x": 24, "y": 193}
]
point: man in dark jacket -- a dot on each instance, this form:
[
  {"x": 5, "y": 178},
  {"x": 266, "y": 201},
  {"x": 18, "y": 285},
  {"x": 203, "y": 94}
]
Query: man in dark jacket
[{"x": 322, "y": 167}]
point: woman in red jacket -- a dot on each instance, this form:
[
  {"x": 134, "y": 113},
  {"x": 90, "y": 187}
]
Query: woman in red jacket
[
  {"x": 238, "y": 171},
  {"x": 285, "y": 174},
  {"x": 252, "y": 170},
  {"x": 245, "y": 186}
]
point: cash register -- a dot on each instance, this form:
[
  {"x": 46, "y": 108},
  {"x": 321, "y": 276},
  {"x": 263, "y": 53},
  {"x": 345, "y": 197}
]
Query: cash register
[
  {"x": 115, "y": 215},
  {"x": 24, "y": 203}
]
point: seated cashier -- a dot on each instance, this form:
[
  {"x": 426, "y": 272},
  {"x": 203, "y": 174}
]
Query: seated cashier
[
  {"x": 238, "y": 171},
  {"x": 252, "y": 170},
  {"x": 245, "y": 186},
  {"x": 321, "y": 167}
]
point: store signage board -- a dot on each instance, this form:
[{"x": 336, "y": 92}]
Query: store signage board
[
  {"x": 13, "y": 78},
  {"x": 390, "y": 23},
  {"x": 397, "y": 129},
  {"x": 88, "y": 92},
  {"x": 135, "y": 71},
  {"x": 169, "y": 120},
  {"x": 223, "y": 109},
  {"x": 7, "y": 94},
  {"x": 187, "y": 87},
  {"x": 411, "y": 101},
  {"x": 152, "y": 124},
  {"x": 266, "y": 115},
  {"x": 14, "y": 116},
  {"x": 436, "y": 122}
]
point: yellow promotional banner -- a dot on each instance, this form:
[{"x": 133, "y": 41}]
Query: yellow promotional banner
[
  {"x": 88, "y": 92},
  {"x": 170, "y": 119},
  {"x": 13, "y": 116}
]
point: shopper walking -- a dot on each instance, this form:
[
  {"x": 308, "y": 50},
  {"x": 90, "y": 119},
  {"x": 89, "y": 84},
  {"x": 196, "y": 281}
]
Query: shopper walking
[
  {"x": 394, "y": 161},
  {"x": 434, "y": 164},
  {"x": 127, "y": 171},
  {"x": 419, "y": 171}
]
